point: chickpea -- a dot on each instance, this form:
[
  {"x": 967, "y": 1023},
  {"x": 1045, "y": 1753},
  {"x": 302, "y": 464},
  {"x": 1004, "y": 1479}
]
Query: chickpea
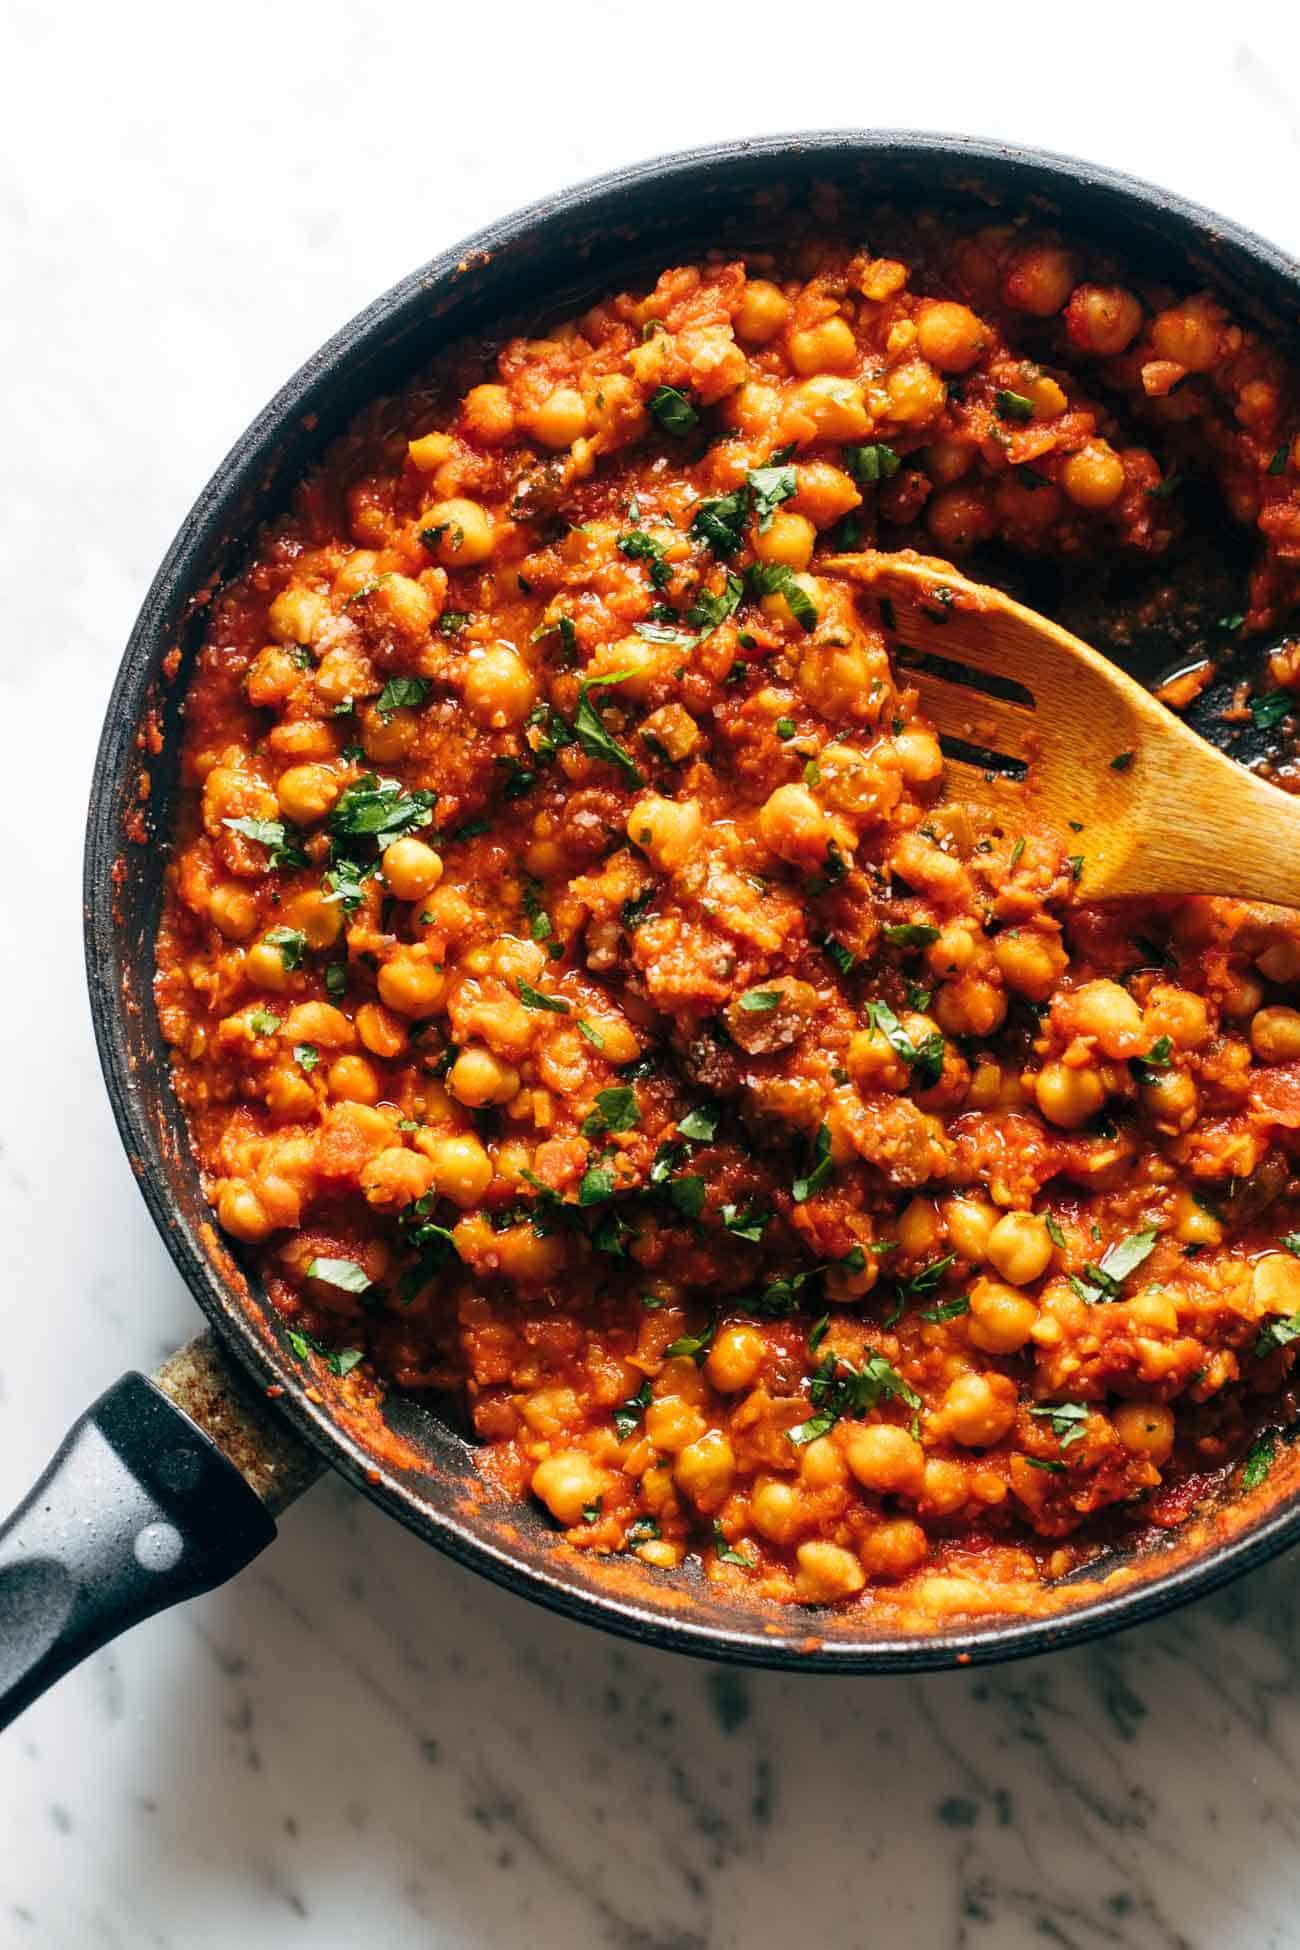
[
  {"x": 666, "y": 830},
  {"x": 826, "y": 1572},
  {"x": 1031, "y": 961},
  {"x": 944, "y": 1488},
  {"x": 775, "y": 1510},
  {"x": 835, "y": 406},
  {"x": 462, "y": 1170},
  {"x": 821, "y": 1466},
  {"x": 1187, "y": 334},
  {"x": 320, "y": 1023},
  {"x": 321, "y": 920},
  {"x": 559, "y": 420},
  {"x": 1241, "y": 994},
  {"x": 1038, "y": 279},
  {"x": 387, "y": 737},
  {"x": 1280, "y": 962},
  {"x": 978, "y": 1410},
  {"x": 396, "y": 1178},
  {"x": 970, "y": 1222},
  {"x": 873, "y": 1063},
  {"x": 306, "y": 793},
  {"x": 825, "y": 493},
  {"x": 953, "y": 952},
  {"x": 950, "y": 336},
  {"x": 1019, "y": 1247},
  {"x": 289, "y": 1096},
  {"x": 429, "y": 451},
  {"x": 1107, "y": 1013},
  {"x": 893, "y": 1549},
  {"x": 671, "y": 1424},
  {"x": 919, "y": 758},
  {"x": 1068, "y": 1097},
  {"x": 1275, "y": 1284},
  {"x": 794, "y": 827},
  {"x": 960, "y": 516},
  {"x": 297, "y": 615},
  {"x": 477, "y": 1077},
  {"x": 1156, "y": 1311},
  {"x": 1001, "y": 1320},
  {"x": 467, "y": 534},
  {"x": 264, "y": 967},
  {"x": 763, "y": 311},
  {"x": 705, "y": 1469},
  {"x": 353, "y": 1080},
  {"x": 1103, "y": 318},
  {"x": 828, "y": 347},
  {"x": 498, "y": 686},
  {"x": 916, "y": 393},
  {"x": 381, "y": 1032},
  {"x": 232, "y": 911},
  {"x": 411, "y": 869},
  {"x": 920, "y": 1228},
  {"x": 838, "y": 681},
  {"x": 1169, "y": 1098},
  {"x": 489, "y": 415},
  {"x": 242, "y": 1213},
  {"x": 1146, "y": 1429},
  {"x": 412, "y": 984},
  {"x": 947, "y": 460},
  {"x": 736, "y": 1356},
  {"x": 1275, "y": 1034},
  {"x": 569, "y": 1483},
  {"x": 969, "y": 1005},
  {"x": 1093, "y": 477},
  {"x": 885, "y": 1458},
  {"x": 787, "y": 538}
]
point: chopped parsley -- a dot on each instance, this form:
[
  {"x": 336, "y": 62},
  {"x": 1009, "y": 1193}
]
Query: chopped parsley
[
  {"x": 340, "y": 1361},
  {"x": 871, "y": 464},
  {"x": 1014, "y": 406},
  {"x": 1122, "y": 761},
  {"x": 947, "y": 1309},
  {"x": 270, "y": 833},
  {"x": 839, "y": 1389},
  {"x": 673, "y": 410},
  {"x": 1268, "y": 711},
  {"x": 637, "y": 546},
  {"x": 1260, "y": 1457},
  {"x": 262, "y": 1023},
  {"x": 701, "y": 1124},
  {"x": 306, "y": 1056},
  {"x": 401, "y": 693},
  {"x": 779, "y": 579},
  {"x": 726, "y": 1555},
  {"x": 708, "y": 609},
  {"x": 381, "y": 809},
  {"x": 1103, "y": 1281},
  {"x": 692, "y": 1347},
  {"x": 819, "y": 1168},
  {"x": 591, "y": 733},
  {"x": 687, "y": 1194},
  {"x": 534, "y": 999},
  {"x": 342, "y": 1273},
  {"x": 768, "y": 488},
  {"x": 924, "y": 1059},
  {"x": 292, "y": 943},
  {"x": 616, "y": 1110},
  {"x": 760, "y": 1002},
  {"x": 911, "y": 934},
  {"x": 1068, "y": 1421},
  {"x": 627, "y": 1416}
]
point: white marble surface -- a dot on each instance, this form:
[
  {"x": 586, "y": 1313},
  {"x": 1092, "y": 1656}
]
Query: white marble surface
[{"x": 357, "y": 1743}]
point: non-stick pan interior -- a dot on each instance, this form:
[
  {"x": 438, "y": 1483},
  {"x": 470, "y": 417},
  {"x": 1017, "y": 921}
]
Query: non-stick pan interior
[{"x": 531, "y": 267}]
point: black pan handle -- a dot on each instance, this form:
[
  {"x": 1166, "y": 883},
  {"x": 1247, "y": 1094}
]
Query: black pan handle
[{"x": 138, "y": 1510}]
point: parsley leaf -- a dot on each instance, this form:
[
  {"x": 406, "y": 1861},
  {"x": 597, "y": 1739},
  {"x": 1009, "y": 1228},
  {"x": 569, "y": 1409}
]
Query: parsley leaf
[
  {"x": 616, "y": 1110},
  {"x": 720, "y": 523},
  {"x": 911, "y": 934},
  {"x": 627, "y": 1415},
  {"x": 687, "y": 1194},
  {"x": 1260, "y": 1457},
  {"x": 380, "y": 808},
  {"x": 1268, "y": 711},
  {"x": 872, "y": 463},
  {"x": 947, "y": 1309},
  {"x": 768, "y": 488},
  {"x": 839, "y": 1389},
  {"x": 596, "y": 1186},
  {"x": 1014, "y": 406},
  {"x": 673, "y": 410},
  {"x": 1103, "y": 1282},
  {"x": 708, "y": 610},
  {"x": 745, "y": 1225},
  {"x": 637, "y": 546},
  {"x": 534, "y": 999},
  {"x": 342, "y": 1273},
  {"x": 700, "y": 1124},
  {"x": 819, "y": 1169},
  {"x": 291, "y": 942},
  {"x": 778, "y": 579},
  {"x": 306, "y": 1056},
  {"x": 401, "y": 693},
  {"x": 1068, "y": 1421},
  {"x": 591, "y": 733},
  {"x": 760, "y": 1002},
  {"x": 694, "y": 1346},
  {"x": 262, "y": 1022},
  {"x": 726, "y": 1555},
  {"x": 270, "y": 833}
]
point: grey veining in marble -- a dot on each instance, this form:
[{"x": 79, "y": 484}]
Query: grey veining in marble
[{"x": 357, "y": 1743}]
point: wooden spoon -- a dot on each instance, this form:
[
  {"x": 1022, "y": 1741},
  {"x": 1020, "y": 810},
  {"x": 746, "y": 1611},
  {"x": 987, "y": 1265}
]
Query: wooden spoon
[{"x": 1035, "y": 724}]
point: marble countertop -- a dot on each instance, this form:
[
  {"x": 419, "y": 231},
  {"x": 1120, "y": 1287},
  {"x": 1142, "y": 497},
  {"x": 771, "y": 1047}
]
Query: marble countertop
[{"x": 357, "y": 1742}]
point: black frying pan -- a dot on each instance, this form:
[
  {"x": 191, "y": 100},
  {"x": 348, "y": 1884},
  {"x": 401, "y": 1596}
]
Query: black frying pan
[{"x": 143, "y": 1504}]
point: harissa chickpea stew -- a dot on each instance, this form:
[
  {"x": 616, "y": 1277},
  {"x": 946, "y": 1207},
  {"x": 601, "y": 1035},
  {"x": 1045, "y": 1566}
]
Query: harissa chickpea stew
[{"x": 591, "y": 1013}]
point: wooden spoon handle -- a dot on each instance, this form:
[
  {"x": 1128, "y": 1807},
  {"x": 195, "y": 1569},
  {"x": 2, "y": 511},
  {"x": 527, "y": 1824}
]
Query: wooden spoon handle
[{"x": 1220, "y": 830}]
